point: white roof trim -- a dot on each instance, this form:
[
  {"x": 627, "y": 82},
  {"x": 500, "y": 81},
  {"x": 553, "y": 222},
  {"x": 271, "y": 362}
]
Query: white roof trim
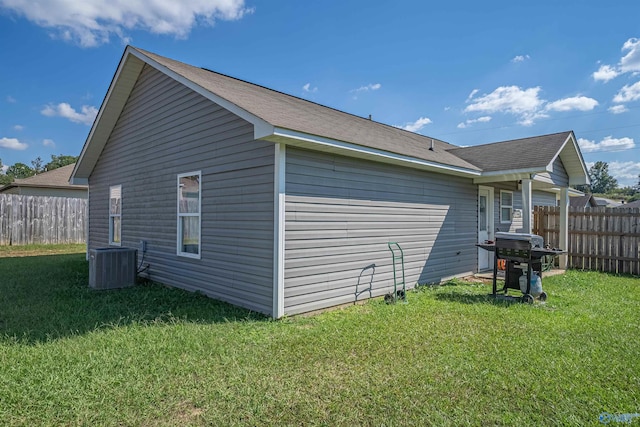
[
  {"x": 96, "y": 126},
  {"x": 361, "y": 151},
  {"x": 583, "y": 166}
]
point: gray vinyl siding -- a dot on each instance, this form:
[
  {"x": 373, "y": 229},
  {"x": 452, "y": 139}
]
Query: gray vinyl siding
[
  {"x": 164, "y": 130},
  {"x": 558, "y": 175},
  {"x": 342, "y": 212},
  {"x": 516, "y": 223},
  {"x": 543, "y": 198}
]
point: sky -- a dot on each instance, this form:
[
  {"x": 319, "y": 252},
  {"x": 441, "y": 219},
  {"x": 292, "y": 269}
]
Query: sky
[{"x": 465, "y": 72}]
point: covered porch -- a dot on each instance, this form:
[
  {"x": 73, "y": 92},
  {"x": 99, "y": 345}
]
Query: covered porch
[{"x": 518, "y": 175}]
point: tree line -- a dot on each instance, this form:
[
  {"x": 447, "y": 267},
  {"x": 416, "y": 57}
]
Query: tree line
[
  {"x": 603, "y": 183},
  {"x": 21, "y": 170}
]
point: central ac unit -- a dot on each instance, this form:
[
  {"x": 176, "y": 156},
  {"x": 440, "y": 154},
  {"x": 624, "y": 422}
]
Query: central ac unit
[{"x": 111, "y": 268}]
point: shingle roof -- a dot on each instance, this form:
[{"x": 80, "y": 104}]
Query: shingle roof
[
  {"x": 525, "y": 153},
  {"x": 582, "y": 201},
  {"x": 289, "y": 112},
  {"x": 58, "y": 178},
  {"x": 635, "y": 204},
  {"x": 279, "y": 117}
]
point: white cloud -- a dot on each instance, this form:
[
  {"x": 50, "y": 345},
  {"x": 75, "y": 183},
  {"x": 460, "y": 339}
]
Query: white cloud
[
  {"x": 48, "y": 143},
  {"x": 520, "y": 58},
  {"x": 367, "y": 88},
  {"x": 607, "y": 144},
  {"x": 18, "y": 128},
  {"x": 512, "y": 100},
  {"x": 628, "y": 93},
  {"x": 605, "y": 73},
  {"x": 11, "y": 99},
  {"x": 526, "y": 104},
  {"x": 618, "y": 109},
  {"x": 4, "y": 168},
  {"x": 12, "y": 144},
  {"x": 471, "y": 95},
  {"x": 625, "y": 172},
  {"x": 86, "y": 116},
  {"x": 507, "y": 99},
  {"x": 631, "y": 61},
  {"x": 580, "y": 103},
  {"x": 308, "y": 88},
  {"x": 469, "y": 122},
  {"x": 91, "y": 23},
  {"x": 417, "y": 125}
]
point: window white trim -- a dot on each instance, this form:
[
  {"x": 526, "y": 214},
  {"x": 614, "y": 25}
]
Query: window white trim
[
  {"x": 180, "y": 215},
  {"x": 115, "y": 191},
  {"x": 506, "y": 206}
]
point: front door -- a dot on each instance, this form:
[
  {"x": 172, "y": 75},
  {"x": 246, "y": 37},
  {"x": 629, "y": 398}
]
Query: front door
[{"x": 485, "y": 225}]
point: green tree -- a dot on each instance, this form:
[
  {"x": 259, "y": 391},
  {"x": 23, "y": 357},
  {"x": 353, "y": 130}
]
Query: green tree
[
  {"x": 4, "y": 178},
  {"x": 37, "y": 165},
  {"x": 601, "y": 181},
  {"x": 20, "y": 171},
  {"x": 59, "y": 161},
  {"x": 586, "y": 188}
]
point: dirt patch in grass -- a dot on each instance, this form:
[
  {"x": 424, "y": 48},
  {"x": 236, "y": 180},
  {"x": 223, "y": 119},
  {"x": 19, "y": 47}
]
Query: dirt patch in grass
[{"x": 38, "y": 250}]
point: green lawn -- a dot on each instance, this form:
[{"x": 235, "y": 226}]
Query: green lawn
[{"x": 151, "y": 355}]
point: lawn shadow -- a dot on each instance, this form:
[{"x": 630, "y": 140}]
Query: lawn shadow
[
  {"x": 465, "y": 298},
  {"x": 47, "y": 297}
]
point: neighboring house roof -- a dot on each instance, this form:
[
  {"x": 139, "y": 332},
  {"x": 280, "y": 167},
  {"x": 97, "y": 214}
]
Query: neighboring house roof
[
  {"x": 284, "y": 118},
  {"x": 635, "y": 204},
  {"x": 583, "y": 201},
  {"x": 601, "y": 201},
  {"x": 56, "y": 178}
]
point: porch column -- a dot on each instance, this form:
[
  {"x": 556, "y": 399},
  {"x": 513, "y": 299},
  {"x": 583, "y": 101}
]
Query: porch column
[
  {"x": 564, "y": 225},
  {"x": 526, "y": 206}
]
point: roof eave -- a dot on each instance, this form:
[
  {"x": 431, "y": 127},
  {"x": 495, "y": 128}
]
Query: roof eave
[
  {"x": 574, "y": 178},
  {"x": 114, "y": 101},
  {"x": 304, "y": 140},
  {"x": 507, "y": 175}
]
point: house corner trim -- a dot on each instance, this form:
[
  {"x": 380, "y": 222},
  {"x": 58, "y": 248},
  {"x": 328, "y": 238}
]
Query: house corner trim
[{"x": 278, "y": 229}]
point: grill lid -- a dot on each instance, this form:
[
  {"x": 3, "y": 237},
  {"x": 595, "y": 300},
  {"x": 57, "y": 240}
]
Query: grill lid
[{"x": 533, "y": 239}]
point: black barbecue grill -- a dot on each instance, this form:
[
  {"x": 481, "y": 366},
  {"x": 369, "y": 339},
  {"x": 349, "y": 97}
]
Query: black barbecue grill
[{"x": 520, "y": 251}]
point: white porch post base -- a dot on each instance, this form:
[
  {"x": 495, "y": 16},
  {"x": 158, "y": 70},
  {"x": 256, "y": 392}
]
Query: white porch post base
[{"x": 564, "y": 225}]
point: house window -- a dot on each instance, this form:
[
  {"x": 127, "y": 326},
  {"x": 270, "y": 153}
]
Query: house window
[
  {"x": 506, "y": 206},
  {"x": 189, "y": 197},
  {"x": 115, "y": 215}
]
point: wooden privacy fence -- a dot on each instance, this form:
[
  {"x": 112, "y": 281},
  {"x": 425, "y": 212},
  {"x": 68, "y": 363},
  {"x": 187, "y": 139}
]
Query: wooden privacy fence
[
  {"x": 603, "y": 239},
  {"x": 38, "y": 219}
]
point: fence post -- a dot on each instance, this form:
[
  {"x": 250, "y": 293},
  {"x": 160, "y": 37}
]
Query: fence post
[{"x": 564, "y": 225}]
